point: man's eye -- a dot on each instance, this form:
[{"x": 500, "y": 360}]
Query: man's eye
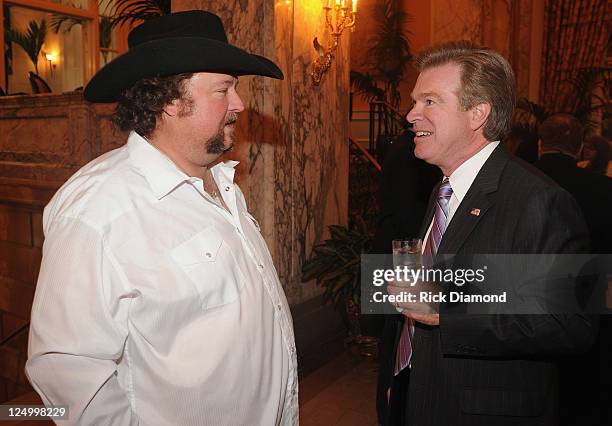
[{"x": 429, "y": 102}]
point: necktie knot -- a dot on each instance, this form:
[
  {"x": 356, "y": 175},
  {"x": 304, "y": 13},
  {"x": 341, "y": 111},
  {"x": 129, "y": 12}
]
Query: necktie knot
[
  {"x": 445, "y": 190},
  {"x": 440, "y": 219}
]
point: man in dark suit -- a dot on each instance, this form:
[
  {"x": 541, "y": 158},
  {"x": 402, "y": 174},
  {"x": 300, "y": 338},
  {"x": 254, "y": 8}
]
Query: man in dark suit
[
  {"x": 586, "y": 379},
  {"x": 483, "y": 369},
  {"x": 561, "y": 138}
]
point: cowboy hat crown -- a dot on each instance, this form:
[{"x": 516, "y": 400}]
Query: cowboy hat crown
[{"x": 191, "y": 41}]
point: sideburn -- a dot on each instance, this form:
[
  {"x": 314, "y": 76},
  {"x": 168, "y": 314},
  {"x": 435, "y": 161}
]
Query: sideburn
[{"x": 185, "y": 107}]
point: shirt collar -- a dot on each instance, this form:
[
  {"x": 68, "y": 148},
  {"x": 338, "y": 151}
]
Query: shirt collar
[
  {"x": 160, "y": 171},
  {"x": 463, "y": 177},
  {"x": 224, "y": 171}
]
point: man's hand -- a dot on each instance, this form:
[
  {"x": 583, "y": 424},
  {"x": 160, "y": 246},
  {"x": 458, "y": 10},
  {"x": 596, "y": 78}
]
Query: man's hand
[
  {"x": 428, "y": 319},
  {"x": 422, "y": 312}
]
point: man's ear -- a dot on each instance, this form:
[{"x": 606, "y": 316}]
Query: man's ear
[
  {"x": 173, "y": 108},
  {"x": 479, "y": 115}
]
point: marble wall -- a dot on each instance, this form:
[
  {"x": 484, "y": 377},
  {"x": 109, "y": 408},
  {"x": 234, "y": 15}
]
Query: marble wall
[{"x": 293, "y": 135}]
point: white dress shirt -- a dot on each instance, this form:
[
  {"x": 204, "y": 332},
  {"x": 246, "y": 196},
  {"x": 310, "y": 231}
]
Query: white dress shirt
[
  {"x": 156, "y": 306},
  {"x": 461, "y": 180}
]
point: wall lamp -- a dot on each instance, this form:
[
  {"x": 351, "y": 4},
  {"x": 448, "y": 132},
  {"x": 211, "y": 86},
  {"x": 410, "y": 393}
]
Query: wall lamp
[
  {"x": 50, "y": 58},
  {"x": 344, "y": 12}
]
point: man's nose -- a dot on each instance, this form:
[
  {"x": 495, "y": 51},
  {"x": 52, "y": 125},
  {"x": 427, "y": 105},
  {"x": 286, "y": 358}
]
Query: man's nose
[
  {"x": 236, "y": 104},
  {"x": 413, "y": 115}
]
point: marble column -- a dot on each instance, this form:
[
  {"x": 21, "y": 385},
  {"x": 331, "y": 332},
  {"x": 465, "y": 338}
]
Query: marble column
[{"x": 293, "y": 135}]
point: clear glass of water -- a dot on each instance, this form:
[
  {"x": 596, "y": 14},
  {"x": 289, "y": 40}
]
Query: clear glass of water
[{"x": 407, "y": 252}]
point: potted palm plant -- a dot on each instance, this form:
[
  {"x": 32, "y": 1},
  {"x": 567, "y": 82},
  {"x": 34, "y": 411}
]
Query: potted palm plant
[
  {"x": 388, "y": 54},
  {"x": 335, "y": 264}
]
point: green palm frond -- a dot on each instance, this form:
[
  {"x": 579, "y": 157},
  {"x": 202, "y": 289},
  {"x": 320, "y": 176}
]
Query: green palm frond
[
  {"x": 583, "y": 101},
  {"x": 63, "y": 23},
  {"x": 133, "y": 11},
  {"x": 365, "y": 85},
  {"x": 31, "y": 41},
  {"x": 531, "y": 112},
  {"x": 106, "y": 31},
  {"x": 389, "y": 48}
]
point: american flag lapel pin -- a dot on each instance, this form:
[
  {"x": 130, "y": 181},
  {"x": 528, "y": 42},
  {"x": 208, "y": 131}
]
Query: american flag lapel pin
[{"x": 475, "y": 212}]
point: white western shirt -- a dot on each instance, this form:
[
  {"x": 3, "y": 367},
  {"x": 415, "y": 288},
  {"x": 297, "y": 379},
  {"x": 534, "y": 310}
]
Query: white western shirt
[{"x": 154, "y": 305}]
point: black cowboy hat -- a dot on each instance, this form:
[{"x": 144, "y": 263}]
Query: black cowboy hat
[{"x": 191, "y": 41}]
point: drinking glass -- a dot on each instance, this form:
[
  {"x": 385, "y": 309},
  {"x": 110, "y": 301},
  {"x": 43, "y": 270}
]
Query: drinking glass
[{"x": 407, "y": 252}]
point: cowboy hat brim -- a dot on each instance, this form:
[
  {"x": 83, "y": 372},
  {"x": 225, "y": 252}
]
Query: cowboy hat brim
[{"x": 171, "y": 56}]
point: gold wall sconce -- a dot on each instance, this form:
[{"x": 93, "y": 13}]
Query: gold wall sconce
[
  {"x": 50, "y": 58},
  {"x": 344, "y": 13}
]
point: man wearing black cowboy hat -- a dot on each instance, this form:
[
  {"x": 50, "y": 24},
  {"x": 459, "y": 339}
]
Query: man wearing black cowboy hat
[{"x": 157, "y": 301}]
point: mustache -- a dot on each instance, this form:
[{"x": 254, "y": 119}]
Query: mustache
[{"x": 231, "y": 119}]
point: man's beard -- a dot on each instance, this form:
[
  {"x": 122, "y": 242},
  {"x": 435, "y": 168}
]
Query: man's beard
[{"x": 216, "y": 144}]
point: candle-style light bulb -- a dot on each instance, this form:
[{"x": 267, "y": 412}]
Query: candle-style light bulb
[{"x": 354, "y": 6}]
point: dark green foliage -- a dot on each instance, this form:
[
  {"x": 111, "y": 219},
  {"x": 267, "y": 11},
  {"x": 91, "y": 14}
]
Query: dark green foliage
[
  {"x": 31, "y": 40},
  {"x": 389, "y": 50},
  {"x": 118, "y": 13},
  {"x": 64, "y": 23},
  {"x": 582, "y": 101},
  {"x": 365, "y": 85},
  {"x": 336, "y": 265},
  {"x": 106, "y": 31},
  {"x": 133, "y": 11}
]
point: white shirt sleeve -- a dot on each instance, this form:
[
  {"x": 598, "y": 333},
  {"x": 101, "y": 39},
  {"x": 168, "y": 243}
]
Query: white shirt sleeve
[{"x": 79, "y": 327}]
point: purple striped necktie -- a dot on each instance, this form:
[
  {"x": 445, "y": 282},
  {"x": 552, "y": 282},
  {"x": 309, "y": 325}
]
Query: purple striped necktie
[
  {"x": 439, "y": 222},
  {"x": 404, "y": 347}
]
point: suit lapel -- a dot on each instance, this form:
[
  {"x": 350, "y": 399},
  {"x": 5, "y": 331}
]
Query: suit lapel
[
  {"x": 430, "y": 211},
  {"x": 464, "y": 221},
  {"x": 476, "y": 202}
]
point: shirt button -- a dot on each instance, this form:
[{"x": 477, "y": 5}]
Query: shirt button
[
  {"x": 293, "y": 392},
  {"x": 279, "y": 307},
  {"x": 227, "y": 188},
  {"x": 208, "y": 254},
  {"x": 260, "y": 266}
]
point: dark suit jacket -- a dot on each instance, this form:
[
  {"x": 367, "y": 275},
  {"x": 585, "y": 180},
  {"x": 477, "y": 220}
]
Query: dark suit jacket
[
  {"x": 498, "y": 369},
  {"x": 586, "y": 379},
  {"x": 592, "y": 192}
]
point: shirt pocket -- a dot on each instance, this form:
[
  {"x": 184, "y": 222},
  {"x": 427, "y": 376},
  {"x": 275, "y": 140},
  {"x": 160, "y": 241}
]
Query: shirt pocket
[{"x": 210, "y": 266}]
